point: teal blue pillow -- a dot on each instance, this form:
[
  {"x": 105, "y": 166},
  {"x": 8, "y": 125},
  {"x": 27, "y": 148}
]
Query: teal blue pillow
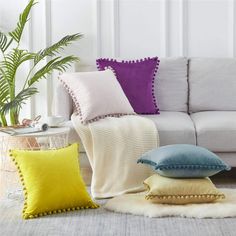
[{"x": 183, "y": 161}]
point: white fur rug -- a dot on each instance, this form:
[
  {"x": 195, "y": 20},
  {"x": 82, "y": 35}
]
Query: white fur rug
[{"x": 136, "y": 204}]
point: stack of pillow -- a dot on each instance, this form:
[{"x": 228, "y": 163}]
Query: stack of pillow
[{"x": 182, "y": 174}]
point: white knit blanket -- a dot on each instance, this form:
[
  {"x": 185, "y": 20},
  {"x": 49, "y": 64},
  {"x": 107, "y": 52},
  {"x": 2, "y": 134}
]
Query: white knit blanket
[{"x": 113, "y": 146}]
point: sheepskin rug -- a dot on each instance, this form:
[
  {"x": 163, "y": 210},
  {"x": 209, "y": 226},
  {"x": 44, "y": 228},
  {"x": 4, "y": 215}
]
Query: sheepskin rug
[{"x": 136, "y": 204}]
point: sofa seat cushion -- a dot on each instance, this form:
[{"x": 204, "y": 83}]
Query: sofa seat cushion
[
  {"x": 216, "y": 130},
  {"x": 174, "y": 128}
]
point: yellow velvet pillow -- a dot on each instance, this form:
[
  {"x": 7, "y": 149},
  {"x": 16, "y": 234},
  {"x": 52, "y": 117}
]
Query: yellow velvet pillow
[
  {"x": 181, "y": 191},
  {"x": 51, "y": 181}
]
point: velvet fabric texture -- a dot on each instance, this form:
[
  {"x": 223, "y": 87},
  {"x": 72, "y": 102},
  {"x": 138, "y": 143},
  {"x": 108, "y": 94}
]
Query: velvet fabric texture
[
  {"x": 183, "y": 161},
  {"x": 96, "y": 95},
  {"x": 181, "y": 191},
  {"x": 137, "y": 80},
  {"x": 51, "y": 181}
]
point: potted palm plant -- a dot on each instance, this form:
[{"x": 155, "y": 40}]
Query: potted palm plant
[{"x": 13, "y": 57}]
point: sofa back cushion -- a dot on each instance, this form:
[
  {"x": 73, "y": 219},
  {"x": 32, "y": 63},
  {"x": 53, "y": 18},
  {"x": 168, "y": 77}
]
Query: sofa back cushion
[
  {"x": 171, "y": 86},
  {"x": 62, "y": 104},
  {"x": 212, "y": 84}
]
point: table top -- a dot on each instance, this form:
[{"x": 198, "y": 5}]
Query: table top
[{"x": 49, "y": 132}]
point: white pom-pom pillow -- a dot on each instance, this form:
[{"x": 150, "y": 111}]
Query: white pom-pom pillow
[{"x": 96, "y": 95}]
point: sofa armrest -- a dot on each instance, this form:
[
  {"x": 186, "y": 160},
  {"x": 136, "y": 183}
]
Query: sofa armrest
[{"x": 62, "y": 104}]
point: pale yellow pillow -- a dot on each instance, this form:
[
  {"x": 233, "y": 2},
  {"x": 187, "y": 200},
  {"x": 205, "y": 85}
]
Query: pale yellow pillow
[{"x": 181, "y": 191}]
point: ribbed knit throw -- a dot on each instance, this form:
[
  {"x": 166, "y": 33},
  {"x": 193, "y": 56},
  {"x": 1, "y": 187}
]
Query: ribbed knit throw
[{"x": 113, "y": 146}]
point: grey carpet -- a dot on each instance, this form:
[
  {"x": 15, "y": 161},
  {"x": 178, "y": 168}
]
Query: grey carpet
[{"x": 102, "y": 222}]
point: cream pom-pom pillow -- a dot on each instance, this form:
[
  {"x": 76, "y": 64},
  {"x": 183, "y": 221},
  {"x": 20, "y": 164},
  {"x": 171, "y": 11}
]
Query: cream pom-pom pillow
[{"x": 96, "y": 95}]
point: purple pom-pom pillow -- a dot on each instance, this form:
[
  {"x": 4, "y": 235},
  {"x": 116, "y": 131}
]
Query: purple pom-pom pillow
[{"x": 137, "y": 80}]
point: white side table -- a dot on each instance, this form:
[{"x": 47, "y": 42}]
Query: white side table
[{"x": 53, "y": 138}]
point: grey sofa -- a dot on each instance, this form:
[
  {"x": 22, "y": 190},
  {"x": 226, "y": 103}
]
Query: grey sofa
[{"x": 197, "y": 99}]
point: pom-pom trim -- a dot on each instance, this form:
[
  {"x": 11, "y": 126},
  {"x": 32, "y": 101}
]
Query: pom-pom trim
[
  {"x": 78, "y": 111},
  {"x": 157, "y": 111},
  {"x": 183, "y": 166},
  {"x": 190, "y": 196},
  {"x": 75, "y": 102},
  {"x": 192, "y": 167},
  {"x": 125, "y": 61},
  {"x": 25, "y": 215}
]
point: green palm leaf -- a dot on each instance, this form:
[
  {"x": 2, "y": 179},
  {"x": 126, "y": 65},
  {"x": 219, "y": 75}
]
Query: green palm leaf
[
  {"x": 14, "y": 58},
  {"x": 23, "y": 18},
  {"x": 19, "y": 99},
  {"x": 55, "y": 64},
  {"x": 55, "y": 48},
  {"x": 12, "y": 62},
  {"x": 4, "y": 91},
  {"x": 3, "y": 42}
]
